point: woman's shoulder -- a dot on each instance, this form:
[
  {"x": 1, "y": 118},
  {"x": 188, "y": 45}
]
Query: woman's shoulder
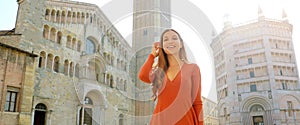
[{"x": 191, "y": 65}]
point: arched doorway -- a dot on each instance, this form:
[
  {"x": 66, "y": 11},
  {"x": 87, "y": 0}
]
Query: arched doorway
[
  {"x": 257, "y": 113},
  {"x": 92, "y": 108},
  {"x": 40, "y": 114},
  {"x": 87, "y": 117}
]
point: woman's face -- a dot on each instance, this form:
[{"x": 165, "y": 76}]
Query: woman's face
[{"x": 171, "y": 43}]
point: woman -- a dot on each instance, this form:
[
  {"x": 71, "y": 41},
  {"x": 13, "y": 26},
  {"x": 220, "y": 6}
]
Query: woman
[{"x": 176, "y": 83}]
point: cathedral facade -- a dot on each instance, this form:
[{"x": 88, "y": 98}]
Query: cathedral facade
[{"x": 64, "y": 63}]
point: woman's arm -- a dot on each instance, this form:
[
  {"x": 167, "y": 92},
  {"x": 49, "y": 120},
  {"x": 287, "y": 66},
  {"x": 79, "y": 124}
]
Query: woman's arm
[
  {"x": 146, "y": 69},
  {"x": 196, "y": 94}
]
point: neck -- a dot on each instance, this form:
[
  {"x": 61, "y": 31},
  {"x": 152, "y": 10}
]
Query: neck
[{"x": 174, "y": 60}]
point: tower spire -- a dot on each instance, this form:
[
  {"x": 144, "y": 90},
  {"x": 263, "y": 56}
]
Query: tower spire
[
  {"x": 260, "y": 13},
  {"x": 284, "y": 16},
  {"x": 227, "y": 22}
]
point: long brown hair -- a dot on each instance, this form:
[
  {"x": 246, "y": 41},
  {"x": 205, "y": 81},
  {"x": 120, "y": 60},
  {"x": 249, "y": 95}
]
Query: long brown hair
[{"x": 163, "y": 63}]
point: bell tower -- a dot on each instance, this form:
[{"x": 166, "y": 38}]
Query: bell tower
[{"x": 150, "y": 18}]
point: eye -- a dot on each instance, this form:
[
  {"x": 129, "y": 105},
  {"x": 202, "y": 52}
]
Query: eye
[
  {"x": 174, "y": 38},
  {"x": 166, "y": 39}
]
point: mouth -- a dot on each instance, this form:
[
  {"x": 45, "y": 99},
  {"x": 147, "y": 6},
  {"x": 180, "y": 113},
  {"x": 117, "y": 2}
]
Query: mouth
[{"x": 170, "y": 47}]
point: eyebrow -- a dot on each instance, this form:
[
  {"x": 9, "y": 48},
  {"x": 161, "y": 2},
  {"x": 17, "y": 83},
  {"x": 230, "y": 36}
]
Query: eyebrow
[{"x": 172, "y": 36}]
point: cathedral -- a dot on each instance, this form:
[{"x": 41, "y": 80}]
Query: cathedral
[{"x": 64, "y": 63}]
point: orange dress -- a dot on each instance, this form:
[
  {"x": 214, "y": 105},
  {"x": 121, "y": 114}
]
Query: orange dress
[{"x": 179, "y": 100}]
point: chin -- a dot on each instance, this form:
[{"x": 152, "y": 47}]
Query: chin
[{"x": 171, "y": 53}]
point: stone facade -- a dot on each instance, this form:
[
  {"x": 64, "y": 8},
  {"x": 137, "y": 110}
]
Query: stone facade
[
  {"x": 256, "y": 73},
  {"x": 210, "y": 112},
  {"x": 81, "y": 75}
]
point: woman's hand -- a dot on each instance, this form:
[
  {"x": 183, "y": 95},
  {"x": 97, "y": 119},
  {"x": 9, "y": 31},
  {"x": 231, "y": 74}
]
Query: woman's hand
[{"x": 155, "y": 49}]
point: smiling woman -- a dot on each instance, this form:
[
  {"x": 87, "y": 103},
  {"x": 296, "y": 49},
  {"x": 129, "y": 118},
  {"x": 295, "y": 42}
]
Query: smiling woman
[{"x": 176, "y": 83}]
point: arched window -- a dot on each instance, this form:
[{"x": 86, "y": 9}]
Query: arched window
[
  {"x": 56, "y": 64},
  {"x": 82, "y": 17},
  {"x": 121, "y": 119},
  {"x": 104, "y": 54},
  {"x": 74, "y": 17},
  {"x": 42, "y": 59},
  {"x": 107, "y": 81},
  {"x": 59, "y": 36},
  {"x": 63, "y": 17},
  {"x": 46, "y": 32},
  {"x": 74, "y": 44},
  {"x": 71, "y": 69},
  {"x": 69, "y": 17},
  {"x": 66, "y": 67},
  {"x": 58, "y": 16},
  {"x": 53, "y": 15},
  {"x": 49, "y": 61},
  {"x": 53, "y": 34},
  {"x": 78, "y": 17},
  {"x": 47, "y": 14},
  {"x": 69, "y": 40},
  {"x": 111, "y": 82},
  {"x": 86, "y": 17},
  {"x": 89, "y": 47},
  {"x": 91, "y": 19},
  {"x": 125, "y": 66},
  {"x": 40, "y": 114}
]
